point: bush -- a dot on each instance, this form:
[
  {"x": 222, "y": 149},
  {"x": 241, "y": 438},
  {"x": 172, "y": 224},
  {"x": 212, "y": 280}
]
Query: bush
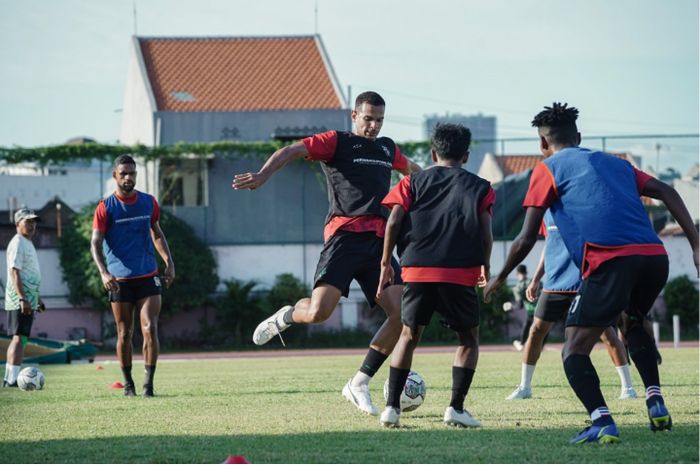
[
  {"x": 238, "y": 312},
  {"x": 681, "y": 298}
]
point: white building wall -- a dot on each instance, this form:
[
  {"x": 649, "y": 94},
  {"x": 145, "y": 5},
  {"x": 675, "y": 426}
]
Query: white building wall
[
  {"x": 688, "y": 190},
  {"x": 490, "y": 170},
  {"x": 77, "y": 188},
  {"x": 139, "y": 105}
]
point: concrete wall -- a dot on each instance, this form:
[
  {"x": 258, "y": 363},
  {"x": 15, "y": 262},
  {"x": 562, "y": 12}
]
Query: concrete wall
[
  {"x": 261, "y": 263},
  {"x": 139, "y": 105},
  {"x": 242, "y": 126}
]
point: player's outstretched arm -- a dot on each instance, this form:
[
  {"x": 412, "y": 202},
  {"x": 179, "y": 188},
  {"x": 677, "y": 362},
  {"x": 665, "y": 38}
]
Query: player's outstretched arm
[
  {"x": 276, "y": 161},
  {"x": 487, "y": 242},
  {"x": 522, "y": 245},
  {"x": 161, "y": 244},
  {"x": 393, "y": 226},
  {"x": 669, "y": 196}
]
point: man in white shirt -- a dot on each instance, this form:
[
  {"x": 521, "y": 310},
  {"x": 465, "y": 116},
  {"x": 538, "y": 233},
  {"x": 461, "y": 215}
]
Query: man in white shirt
[{"x": 22, "y": 291}]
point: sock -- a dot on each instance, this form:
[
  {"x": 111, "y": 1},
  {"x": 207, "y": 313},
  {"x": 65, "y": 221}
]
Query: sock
[
  {"x": 461, "y": 381},
  {"x": 526, "y": 375},
  {"x": 360, "y": 379},
  {"x": 397, "y": 380},
  {"x": 625, "y": 376},
  {"x": 7, "y": 371},
  {"x": 285, "y": 319},
  {"x": 373, "y": 361},
  {"x": 126, "y": 371},
  {"x": 654, "y": 396},
  {"x": 601, "y": 416},
  {"x": 13, "y": 373},
  {"x": 150, "y": 371},
  {"x": 643, "y": 354},
  {"x": 584, "y": 380}
]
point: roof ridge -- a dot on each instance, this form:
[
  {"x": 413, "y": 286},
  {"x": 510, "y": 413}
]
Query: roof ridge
[{"x": 205, "y": 38}]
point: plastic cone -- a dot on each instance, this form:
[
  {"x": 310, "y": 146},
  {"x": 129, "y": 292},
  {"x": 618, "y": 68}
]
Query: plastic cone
[
  {"x": 116, "y": 385},
  {"x": 235, "y": 459}
]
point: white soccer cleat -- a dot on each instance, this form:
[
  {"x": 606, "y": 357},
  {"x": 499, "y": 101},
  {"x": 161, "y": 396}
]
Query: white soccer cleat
[
  {"x": 520, "y": 393},
  {"x": 518, "y": 345},
  {"x": 390, "y": 417},
  {"x": 270, "y": 327},
  {"x": 360, "y": 398},
  {"x": 628, "y": 393},
  {"x": 463, "y": 418}
]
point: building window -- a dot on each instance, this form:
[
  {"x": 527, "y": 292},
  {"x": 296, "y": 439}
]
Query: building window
[{"x": 183, "y": 182}]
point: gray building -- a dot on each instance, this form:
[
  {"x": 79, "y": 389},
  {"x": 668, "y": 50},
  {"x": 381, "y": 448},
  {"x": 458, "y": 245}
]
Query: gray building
[{"x": 483, "y": 130}]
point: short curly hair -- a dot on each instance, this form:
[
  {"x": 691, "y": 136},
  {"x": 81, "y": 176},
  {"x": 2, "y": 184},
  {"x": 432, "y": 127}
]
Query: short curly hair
[{"x": 451, "y": 141}]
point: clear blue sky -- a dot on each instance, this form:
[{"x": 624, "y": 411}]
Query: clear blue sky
[{"x": 630, "y": 66}]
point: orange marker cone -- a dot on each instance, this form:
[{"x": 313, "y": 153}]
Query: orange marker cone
[
  {"x": 117, "y": 385},
  {"x": 99, "y": 367},
  {"x": 235, "y": 459}
]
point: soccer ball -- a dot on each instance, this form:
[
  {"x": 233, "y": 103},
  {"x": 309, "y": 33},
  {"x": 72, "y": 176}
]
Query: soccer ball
[
  {"x": 413, "y": 393},
  {"x": 30, "y": 379}
]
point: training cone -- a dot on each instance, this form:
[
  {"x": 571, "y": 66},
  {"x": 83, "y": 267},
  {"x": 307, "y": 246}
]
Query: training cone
[
  {"x": 99, "y": 367},
  {"x": 116, "y": 385},
  {"x": 235, "y": 459}
]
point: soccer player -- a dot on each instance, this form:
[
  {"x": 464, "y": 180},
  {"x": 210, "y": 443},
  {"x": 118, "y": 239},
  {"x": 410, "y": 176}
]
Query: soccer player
[
  {"x": 22, "y": 291},
  {"x": 125, "y": 229},
  {"x": 594, "y": 200},
  {"x": 441, "y": 221},
  {"x": 528, "y": 305},
  {"x": 358, "y": 169},
  {"x": 562, "y": 280}
]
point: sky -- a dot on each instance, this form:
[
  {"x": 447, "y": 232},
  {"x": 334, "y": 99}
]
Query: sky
[{"x": 630, "y": 66}]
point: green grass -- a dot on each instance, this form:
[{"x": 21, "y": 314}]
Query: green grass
[{"x": 290, "y": 410}]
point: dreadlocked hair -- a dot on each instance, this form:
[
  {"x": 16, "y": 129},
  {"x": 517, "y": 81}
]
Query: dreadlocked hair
[{"x": 558, "y": 123}]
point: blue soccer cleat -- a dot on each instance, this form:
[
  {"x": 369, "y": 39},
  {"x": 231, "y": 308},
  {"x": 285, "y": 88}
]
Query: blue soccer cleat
[
  {"x": 605, "y": 434},
  {"x": 659, "y": 418}
]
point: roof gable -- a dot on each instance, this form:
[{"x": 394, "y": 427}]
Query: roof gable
[
  {"x": 514, "y": 164},
  {"x": 239, "y": 73}
]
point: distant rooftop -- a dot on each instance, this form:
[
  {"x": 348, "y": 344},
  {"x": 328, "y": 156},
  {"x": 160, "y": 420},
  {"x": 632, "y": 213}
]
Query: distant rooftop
[{"x": 190, "y": 74}]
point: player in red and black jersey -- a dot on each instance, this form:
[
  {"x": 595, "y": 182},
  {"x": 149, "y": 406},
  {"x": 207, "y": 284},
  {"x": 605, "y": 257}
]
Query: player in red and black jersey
[
  {"x": 594, "y": 200},
  {"x": 358, "y": 168},
  {"x": 441, "y": 222}
]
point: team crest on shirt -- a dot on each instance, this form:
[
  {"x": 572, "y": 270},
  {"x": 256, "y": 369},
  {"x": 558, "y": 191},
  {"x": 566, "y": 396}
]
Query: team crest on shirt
[
  {"x": 386, "y": 150},
  {"x": 357, "y": 146}
]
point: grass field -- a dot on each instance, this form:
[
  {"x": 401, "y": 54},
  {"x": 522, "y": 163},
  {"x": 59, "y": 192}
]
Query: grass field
[{"x": 290, "y": 410}]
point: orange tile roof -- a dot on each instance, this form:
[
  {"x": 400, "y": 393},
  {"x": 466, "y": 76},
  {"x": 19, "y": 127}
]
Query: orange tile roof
[
  {"x": 514, "y": 164},
  {"x": 238, "y": 73}
]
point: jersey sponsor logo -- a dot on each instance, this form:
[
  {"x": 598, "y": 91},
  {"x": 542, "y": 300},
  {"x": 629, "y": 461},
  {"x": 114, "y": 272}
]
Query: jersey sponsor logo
[
  {"x": 357, "y": 146},
  {"x": 135, "y": 218},
  {"x": 386, "y": 151},
  {"x": 369, "y": 161}
]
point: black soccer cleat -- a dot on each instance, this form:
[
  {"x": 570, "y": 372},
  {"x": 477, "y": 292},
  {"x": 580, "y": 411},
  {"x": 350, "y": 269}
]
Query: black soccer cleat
[
  {"x": 5, "y": 384},
  {"x": 147, "y": 390},
  {"x": 129, "y": 390}
]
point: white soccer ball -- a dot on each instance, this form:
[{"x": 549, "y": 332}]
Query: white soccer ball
[
  {"x": 413, "y": 393},
  {"x": 30, "y": 379}
]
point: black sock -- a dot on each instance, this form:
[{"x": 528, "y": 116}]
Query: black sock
[
  {"x": 643, "y": 354},
  {"x": 150, "y": 371},
  {"x": 584, "y": 380},
  {"x": 126, "y": 371},
  {"x": 373, "y": 361},
  {"x": 461, "y": 381},
  {"x": 397, "y": 380}
]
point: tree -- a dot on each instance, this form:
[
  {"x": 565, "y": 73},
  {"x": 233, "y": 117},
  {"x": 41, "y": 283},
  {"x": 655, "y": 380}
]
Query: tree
[
  {"x": 195, "y": 266},
  {"x": 681, "y": 298}
]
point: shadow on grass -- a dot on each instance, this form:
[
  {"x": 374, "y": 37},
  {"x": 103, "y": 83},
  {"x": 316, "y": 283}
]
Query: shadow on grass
[{"x": 412, "y": 444}]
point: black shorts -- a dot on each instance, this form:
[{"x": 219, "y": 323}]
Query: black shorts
[
  {"x": 19, "y": 324},
  {"x": 629, "y": 284},
  {"x": 133, "y": 290},
  {"x": 553, "y": 306},
  {"x": 458, "y": 305},
  {"x": 349, "y": 255}
]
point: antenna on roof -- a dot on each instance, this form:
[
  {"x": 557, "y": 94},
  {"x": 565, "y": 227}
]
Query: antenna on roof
[
  {"x": 316, "y": 17},
  {"x": 135, "y": 24}
]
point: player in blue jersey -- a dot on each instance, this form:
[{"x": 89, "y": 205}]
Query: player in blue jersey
[{"x": 125, "y": 230}]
